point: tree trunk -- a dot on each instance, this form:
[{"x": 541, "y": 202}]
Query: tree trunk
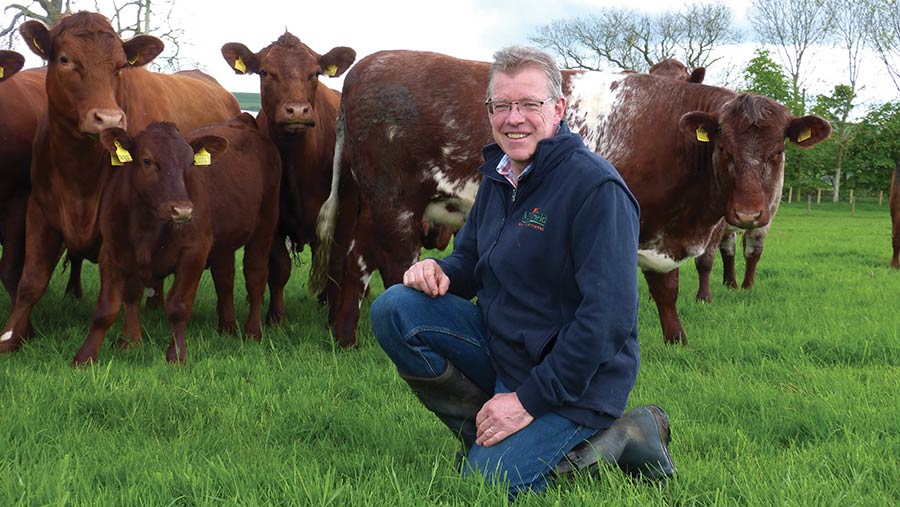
[{"x": 837, "y": 173}]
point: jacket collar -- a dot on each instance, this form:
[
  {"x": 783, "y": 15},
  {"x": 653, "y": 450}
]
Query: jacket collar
[{"x": 545, "y": 157}]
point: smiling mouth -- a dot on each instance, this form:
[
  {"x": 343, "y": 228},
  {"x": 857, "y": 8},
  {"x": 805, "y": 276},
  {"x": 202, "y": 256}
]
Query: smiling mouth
[{"x": 516, "y": 135}]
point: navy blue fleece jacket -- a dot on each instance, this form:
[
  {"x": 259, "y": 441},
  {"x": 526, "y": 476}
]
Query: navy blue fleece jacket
[{"x": 554, "y": 266}]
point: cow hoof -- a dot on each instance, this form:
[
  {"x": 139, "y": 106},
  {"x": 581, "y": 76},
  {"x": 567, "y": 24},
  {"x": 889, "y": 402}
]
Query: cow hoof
[
  {"x": 704, "y": 298},
  {"x": 172, "y": 356},
  {"x": 275, "y": 319},
  {"x": 81, "y": 362},
  {"x": 126, "y": 343},
  {"x": 348, "y": 344},
  {"x": 228, "y": 328}
]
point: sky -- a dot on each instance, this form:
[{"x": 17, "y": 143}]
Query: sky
[{"x": 470, "y": 29}]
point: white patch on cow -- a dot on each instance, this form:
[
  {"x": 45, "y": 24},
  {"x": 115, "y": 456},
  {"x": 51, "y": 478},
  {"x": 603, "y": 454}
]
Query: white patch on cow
[
  {"x": 463, "y": 190},
  {"x": 590, "y": 102},
  {"x": 352, "y": 244},
  {"x": 404, "y": 222},
  {"x": 364, "y": 279},
  {"x": 6, "y": 336},
  {"x": 656, "y": 261},
  {"x": 392, "y": 132},
  {"x": 440, "y": 213}
]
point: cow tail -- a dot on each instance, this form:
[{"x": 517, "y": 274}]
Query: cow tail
[{"x": 326, "y": 223}]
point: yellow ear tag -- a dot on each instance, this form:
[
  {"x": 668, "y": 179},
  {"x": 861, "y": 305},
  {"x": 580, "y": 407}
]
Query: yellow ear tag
[
  {"x": 239, "y": 66},
  {"x": 806, "y": 134},
  {"x": 331, "y": 70},
  {"x": 131, "y": 62},
  {"x": 121, "y": 155},
  {"x": 38, "y": 46},
  {"x": 702, "y": 136},
  {"x": 202, "y": 157},
  {"x": 1, "y": 72}
]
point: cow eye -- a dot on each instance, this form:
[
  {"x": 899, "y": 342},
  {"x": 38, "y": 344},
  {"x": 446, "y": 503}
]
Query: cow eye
[
  {"x": 147, "y": 162},
  {"x": 63, "y": 59}
]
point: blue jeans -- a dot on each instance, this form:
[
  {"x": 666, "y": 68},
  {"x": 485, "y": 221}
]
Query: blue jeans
[{"x": 421, "y": 334}]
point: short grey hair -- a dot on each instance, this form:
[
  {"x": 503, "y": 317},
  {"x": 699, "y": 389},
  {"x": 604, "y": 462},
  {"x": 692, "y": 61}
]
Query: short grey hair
[{"x": 513, "y": 59}]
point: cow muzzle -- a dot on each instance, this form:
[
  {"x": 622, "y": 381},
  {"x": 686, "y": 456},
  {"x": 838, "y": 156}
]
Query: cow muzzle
[
  {"x": 747, "y": 219},
  {"x": 181, "y": 213},
  {"x": 295, "y": 117},
  {"x": 98, "y": 119}
]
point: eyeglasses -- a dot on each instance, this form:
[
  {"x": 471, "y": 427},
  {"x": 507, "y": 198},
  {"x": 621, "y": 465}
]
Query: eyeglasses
[{"x": 525, "y": 106}]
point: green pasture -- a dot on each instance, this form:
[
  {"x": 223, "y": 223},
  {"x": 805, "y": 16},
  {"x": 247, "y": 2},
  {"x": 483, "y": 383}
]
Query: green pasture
[{"x": 787, "y": 395}]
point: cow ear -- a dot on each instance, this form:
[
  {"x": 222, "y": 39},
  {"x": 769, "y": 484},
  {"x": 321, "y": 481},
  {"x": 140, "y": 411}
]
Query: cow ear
[
  {"x": 698, "y": 75},
  {"x": 208, "y": 147},
  {"x": 119, "y": 144},
  {"x": 337, "y": 61},
  {"x": 699, "y": 126},
  {"x": 37, "y": 37},
  {"x": 240, "y": 58},
  {"x": 142, "y": 49},
  {"x": 10, "y": 63},
  {"x": 807, "y": 131}
]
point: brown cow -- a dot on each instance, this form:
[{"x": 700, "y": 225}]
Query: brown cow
[
  {"x": 298, "y": 114},
  {"x": 413, "y": 122},
  {"x": 160, "y": 216},
  {"x": 94, "y": 81},
  {"x": 895, "y": 216},
  {"x": 24, "y": 103}
]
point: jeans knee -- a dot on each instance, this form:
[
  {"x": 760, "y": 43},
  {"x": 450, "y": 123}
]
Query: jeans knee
[{"x": 385, "y": 310}]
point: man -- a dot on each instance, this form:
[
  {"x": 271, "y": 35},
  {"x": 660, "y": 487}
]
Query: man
[{"x": 548, "y": 356}]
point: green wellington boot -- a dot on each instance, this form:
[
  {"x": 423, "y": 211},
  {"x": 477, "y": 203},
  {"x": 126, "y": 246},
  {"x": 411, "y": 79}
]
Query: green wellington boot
[
  {"x": 638, "y": 443},
  {"x": 454, "y": 398}
]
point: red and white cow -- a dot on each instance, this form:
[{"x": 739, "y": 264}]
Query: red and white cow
[
  {"x": 94, "y": 81},
  {"x": 413, "y": 124},
  {"x": 298, "y": 114}
]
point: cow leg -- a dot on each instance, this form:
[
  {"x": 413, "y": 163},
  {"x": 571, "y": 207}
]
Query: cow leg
[
  {"x": 42, "y": 252},
  {"x": 753, "y": 242},
  {"x": 664, "y": 290},
  {"x": 256, "y": 271},
  {"x": 279, "y": 274},
  {"x": 354, "y": 284},
  {"x": 727, "y": 249},
  {"x": 131, "y": 330},
  {"x": 180, "y": 303},
  {"x": 895, "y": 242},
  {"x": 155, "y": 299},
  {"x": 13, "y": 255},
  {"x": 704, "y": 265},
  {"x": 73, "y": 287},
  {"x": 222, "y": 268},
  {"x": 109, "y": 302}
]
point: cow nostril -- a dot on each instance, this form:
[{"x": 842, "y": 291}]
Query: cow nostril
[
  {"x": 289, "y": 110},
  {"x": 747, "y": 216},
  {"x": 182, "y": 213}
]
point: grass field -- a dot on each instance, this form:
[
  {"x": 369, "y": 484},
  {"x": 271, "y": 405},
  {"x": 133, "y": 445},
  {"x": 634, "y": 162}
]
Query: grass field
[{"x": 785, "y": 396}]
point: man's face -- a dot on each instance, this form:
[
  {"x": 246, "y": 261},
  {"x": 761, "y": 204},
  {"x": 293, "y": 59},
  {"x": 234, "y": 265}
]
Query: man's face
[{"x": 517, "y": 128}]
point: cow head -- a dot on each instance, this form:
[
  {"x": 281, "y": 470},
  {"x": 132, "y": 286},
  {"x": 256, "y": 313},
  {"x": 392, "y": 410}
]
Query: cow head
[
  {"x": 674, "y": 69},
  {"x": 747, "y": 138},
  {"x": 160, "y": 161},
  {"x": 289, "y": 77},
  {"x": 10, "y": 63},
  {"x": 85, "y": 61}
]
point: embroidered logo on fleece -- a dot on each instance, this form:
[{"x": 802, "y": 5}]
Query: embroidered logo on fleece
[{"x": 534, "y": 219}]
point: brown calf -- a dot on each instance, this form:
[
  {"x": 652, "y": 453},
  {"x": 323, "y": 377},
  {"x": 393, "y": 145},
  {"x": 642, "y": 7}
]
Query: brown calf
[
  {"x": 94, "y": 81},
  {"x": 170, "y": 211}
]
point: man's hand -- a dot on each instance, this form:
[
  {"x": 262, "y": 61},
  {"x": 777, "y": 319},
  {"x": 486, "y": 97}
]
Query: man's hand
[
  {"x": 499, "y": 418},
  {"x": 428, "y": 277}
]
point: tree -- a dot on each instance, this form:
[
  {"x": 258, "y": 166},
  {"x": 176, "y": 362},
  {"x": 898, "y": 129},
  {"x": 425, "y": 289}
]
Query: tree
[
  {"x": 629, "y": 39},
  {"x": 836, "y": 109},
  {"x": 129, "y": 18},
  {"x": 763, "y": 76},
  {"x": 872, "y": 160},
  {"x": 792, "y": 27},
  {"x": 886, "y": 37}
]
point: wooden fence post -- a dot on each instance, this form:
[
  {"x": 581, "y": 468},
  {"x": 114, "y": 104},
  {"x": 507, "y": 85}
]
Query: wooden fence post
[
  {"x": 790, "y": 194},
  {"x": 809, "y": 204},
  {"x": 880, "y": 196},
  {"x": 852, "y": 203},
  {"x": 819, "y": 198}
]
